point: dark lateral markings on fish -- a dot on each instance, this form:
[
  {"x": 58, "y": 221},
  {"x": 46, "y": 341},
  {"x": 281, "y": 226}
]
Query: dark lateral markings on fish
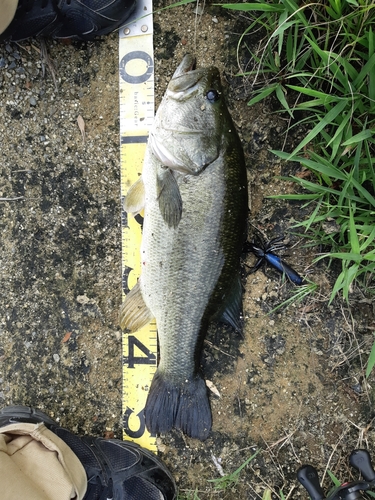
[
  {"x": 142, "y": 425},
  {"x": 131, "y": 360},
  {"x": 134, "y": 139}
]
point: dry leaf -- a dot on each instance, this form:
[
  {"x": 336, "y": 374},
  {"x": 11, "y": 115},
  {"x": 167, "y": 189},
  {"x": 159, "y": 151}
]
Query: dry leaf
[
  {"x": 303, "y": 174},
  {"x": 81, "y": 125},
  {"x": 66, "y": 337},
  {"x": 346, "y": 150},
  {"x": 308, "y": 308},
  {"x": 212, "y": 388}
]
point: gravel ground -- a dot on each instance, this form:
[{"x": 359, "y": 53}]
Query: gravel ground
[{"x": 292, "y": 386}]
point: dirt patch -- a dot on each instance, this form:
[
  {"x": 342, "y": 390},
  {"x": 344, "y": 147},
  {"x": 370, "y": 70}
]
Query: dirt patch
[{"x": 291, "y": 386}]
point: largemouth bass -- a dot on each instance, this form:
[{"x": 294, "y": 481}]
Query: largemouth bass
[{"x": 193, "y": 190}]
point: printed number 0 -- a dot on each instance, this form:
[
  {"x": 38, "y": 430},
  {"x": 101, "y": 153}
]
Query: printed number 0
[{"x": 134, "y": 79}]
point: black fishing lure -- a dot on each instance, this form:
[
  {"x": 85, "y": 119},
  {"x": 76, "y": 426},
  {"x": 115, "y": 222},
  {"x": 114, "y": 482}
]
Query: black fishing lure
[{"x": 265, "y": 253}]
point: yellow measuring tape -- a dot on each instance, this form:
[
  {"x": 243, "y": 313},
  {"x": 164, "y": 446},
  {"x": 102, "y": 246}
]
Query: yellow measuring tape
[{"x": 136, "y": 76}]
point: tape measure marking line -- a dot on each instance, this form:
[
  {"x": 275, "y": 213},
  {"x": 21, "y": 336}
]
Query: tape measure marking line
[{"x": 134, "y": 139}]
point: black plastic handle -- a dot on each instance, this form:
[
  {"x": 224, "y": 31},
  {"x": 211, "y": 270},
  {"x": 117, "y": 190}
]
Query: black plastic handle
[
  {"x": 361, "y": 460},
  {"x": 308, "y": 477},
  {"x": 350, "y": 491}
]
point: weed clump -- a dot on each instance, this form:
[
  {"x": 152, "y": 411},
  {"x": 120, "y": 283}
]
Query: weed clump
[{"x": 318, "y": 60}]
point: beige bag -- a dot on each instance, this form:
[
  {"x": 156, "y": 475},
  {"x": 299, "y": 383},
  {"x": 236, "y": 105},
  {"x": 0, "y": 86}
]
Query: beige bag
[
  {"x": 37, "y": 465},
  {"x": 7, "y": 11}
]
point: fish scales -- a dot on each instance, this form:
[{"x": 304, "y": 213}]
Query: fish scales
[
  {"x": 180, "y": 270},
  {"x": 193, "y": 190}
]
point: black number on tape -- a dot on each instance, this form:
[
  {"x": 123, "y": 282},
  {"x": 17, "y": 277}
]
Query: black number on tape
[
  {"x": 149, "y": 358},
  {"x": 136, "y": 54},
  {"x": 125, "y": 422},
  {"x": 138, "y": 218},
  {"x": 125, "y": 279},
  {"x": 124, "y": 215}
]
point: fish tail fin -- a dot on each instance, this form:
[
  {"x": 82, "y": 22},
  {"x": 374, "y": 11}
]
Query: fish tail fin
[{"x": 182, "y": 406}]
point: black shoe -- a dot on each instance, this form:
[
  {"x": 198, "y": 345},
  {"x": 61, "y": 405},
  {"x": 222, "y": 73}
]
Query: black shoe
[
  {"x": 118, "y": 470},
  {"x": 77, "y": 19}
]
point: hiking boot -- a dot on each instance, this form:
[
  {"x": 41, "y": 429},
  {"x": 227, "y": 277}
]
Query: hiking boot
[
  {"x": 76, "y": 19},
  {"x": 116, "y": 470}
]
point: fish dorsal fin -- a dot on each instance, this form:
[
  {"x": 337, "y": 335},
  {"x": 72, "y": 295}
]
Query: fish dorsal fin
[
  {"x": 231, "y": 310},
  {"x": 169, "y": 196},
  {"x": 134, "y": 314},
  {"x": 134, "y": 201}
]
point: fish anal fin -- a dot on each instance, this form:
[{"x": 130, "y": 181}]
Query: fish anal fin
[
  {"x": 134, "y": 314},
  {"x": 169, "y": 197},
  {"x": 182, "y": 406},
  {"x": 134, "y": 201}
]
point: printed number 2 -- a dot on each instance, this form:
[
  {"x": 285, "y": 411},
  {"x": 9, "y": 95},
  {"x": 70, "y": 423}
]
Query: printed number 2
[{"x": 149, "y": 358}]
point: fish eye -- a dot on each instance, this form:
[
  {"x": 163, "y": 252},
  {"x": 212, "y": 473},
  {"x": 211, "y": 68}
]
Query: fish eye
[{"x": 213, "y": 95}]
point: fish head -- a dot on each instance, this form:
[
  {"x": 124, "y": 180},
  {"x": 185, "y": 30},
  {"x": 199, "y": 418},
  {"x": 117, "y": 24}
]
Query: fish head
[{"x": 188, "y": 127}]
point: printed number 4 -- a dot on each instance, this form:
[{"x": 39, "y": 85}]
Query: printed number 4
[{"x": 131, "y": 360}]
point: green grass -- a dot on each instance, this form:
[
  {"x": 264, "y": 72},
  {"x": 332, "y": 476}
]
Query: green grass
[
  {"x": 371, "y": 360},
  {"x": 221, "y": 484},
  {"x": 318, "y": 60},
  {"x": 230, "y": 480},
  {"x": 298, "y": 295},
  {"x": 193, "y": 495}
]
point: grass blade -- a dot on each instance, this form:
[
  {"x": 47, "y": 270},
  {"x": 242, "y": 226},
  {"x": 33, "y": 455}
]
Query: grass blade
[
  {"x": 327, "y": 119},
  {"x": 370, "y": 361}
]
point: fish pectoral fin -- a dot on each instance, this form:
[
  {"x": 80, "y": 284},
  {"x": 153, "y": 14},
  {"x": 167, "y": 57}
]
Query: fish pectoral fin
[
  {"x": 231, "y": 310},
  {"x": 134, "y": 314},
  {"x": 134, "y": 201},
  {"x": 169, "y": 197}
]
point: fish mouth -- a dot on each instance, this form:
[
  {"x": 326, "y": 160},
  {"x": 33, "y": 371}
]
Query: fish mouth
[
  {"x": 188, "y": 63},
  {"x": 186, "y": 78}
]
